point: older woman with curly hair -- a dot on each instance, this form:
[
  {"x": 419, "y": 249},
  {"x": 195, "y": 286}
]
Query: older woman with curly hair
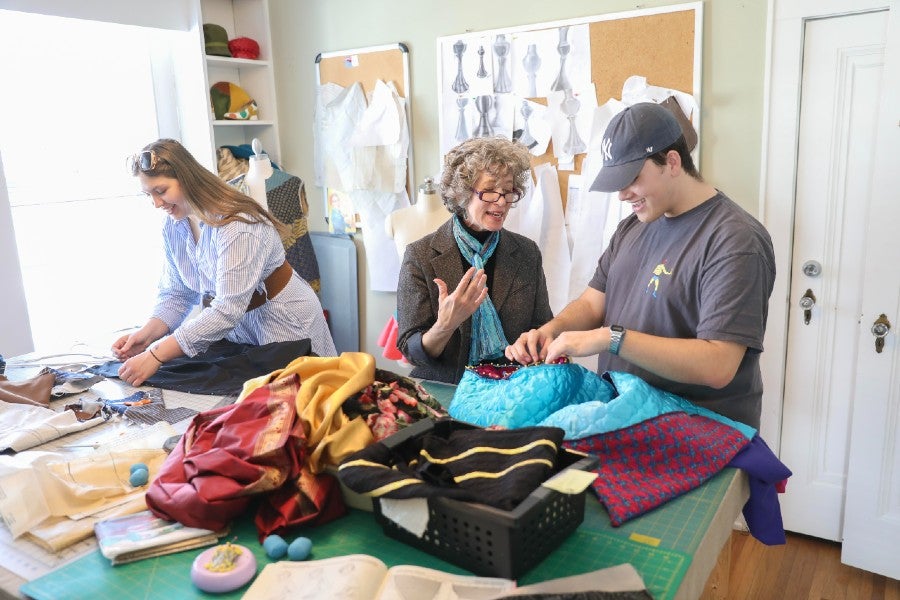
[{"x": 471, "y": 286}]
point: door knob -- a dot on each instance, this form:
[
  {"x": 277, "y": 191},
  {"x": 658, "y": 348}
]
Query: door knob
[
  {"x": 880, "y": 328},
  {"x": 806, "y": 303},
  {"x": 812, "y": 268}
]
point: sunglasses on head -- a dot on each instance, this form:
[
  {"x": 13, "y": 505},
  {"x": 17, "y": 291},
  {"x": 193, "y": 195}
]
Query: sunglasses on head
[{"x": 142, "y": 161}]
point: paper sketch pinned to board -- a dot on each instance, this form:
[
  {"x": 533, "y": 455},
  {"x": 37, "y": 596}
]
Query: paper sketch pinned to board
[
  {"x": 570, "y": 114},
  {"x": 467, "y": 66},
  {"x": 538, "y": 52}
]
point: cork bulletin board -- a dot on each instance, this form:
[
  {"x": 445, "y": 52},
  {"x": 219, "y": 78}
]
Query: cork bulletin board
[
  {"x": 388, "y": 63},
  {"x": 662, "y": 44},
  {"x": 366, "y": 66}
]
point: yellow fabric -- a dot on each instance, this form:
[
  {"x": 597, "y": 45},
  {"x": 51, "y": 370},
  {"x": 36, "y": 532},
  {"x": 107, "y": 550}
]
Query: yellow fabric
[{"x": 325, "y": 383}]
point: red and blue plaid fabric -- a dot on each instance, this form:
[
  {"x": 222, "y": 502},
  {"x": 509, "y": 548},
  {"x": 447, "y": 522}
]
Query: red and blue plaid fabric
[{"x": 651, "y": 462}]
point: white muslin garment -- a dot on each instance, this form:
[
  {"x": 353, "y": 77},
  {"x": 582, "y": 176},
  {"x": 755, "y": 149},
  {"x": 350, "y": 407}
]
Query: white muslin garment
[
  {"x": 592, "y": 212},
  {"x": 381, "y": 254},
  {"x": 338, "y": 111},
  {"x": 24, "y": 426},
  {"x": 539, "y": 217},
  {"x": 380, "y": 142}
]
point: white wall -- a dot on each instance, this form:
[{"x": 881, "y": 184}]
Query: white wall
[{"x": 15, "y": 332}]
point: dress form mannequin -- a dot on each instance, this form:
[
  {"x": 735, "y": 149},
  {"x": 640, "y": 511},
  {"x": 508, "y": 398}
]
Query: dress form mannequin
[
  {"x": 405, "y": 226},
  {"x": 426, "y": 215}
]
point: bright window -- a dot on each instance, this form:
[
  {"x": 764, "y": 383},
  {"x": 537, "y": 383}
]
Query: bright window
[{"x": 79, "y": 97}]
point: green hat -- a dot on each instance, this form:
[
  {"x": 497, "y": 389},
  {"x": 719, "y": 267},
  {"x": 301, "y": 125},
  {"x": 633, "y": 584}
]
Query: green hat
[{"x": 216, "y": 39}]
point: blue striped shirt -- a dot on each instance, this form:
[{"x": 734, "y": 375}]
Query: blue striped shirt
[{"x": 231, "y": 262}]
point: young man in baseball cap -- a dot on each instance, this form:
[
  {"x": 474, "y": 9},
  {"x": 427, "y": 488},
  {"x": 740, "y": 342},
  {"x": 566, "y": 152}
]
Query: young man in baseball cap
[{"x": 680, "y": 295}]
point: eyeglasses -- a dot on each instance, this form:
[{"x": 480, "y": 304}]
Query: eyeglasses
[
  {"x": 493, "y": 197},
  {"x": 142, "y": 161}
]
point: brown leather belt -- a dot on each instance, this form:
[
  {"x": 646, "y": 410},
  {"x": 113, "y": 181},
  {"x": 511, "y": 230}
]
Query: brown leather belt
[{"x": 274, "y": 283}]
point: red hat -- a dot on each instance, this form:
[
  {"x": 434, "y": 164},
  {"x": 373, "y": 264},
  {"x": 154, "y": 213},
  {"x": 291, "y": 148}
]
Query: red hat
[{"x": 243, "y": 47}]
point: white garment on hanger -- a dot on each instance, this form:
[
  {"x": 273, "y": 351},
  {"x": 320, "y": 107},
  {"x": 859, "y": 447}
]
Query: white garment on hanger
[
  {"x": 338, "y": 112},
  {"x": 381, "y": 254},
  {"x": 539, "y": 217},
  {"x": 589, "y": 212},
  {"x": 380, "y": 142}
]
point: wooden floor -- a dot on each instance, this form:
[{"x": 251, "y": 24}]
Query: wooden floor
[{"x": 804, "y": 568}]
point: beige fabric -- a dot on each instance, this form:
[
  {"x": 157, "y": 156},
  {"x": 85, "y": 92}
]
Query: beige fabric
[{"x": 73, "y": 488}]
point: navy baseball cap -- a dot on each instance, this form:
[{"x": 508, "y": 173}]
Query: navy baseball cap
[{"x": 632, "y": 136}]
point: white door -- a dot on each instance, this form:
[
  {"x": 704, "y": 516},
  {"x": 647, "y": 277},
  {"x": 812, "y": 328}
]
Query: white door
[
  {"x": 839, "y": 430},
  {"x": 842, "y": 64}
]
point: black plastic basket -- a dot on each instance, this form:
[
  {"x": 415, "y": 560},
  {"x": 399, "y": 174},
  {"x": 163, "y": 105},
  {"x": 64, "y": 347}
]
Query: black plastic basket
[{"x": 489, "y": 541}]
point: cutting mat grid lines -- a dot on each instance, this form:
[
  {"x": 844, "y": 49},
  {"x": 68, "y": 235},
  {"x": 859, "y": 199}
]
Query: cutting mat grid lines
[{"x": 684, "y": 522}]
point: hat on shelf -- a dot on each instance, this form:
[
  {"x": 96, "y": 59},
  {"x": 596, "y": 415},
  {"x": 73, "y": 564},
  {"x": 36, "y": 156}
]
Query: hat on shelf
[
  {"x": 216, "y": 39},
  {"x": 244, "y": 47},
  {"x": 230, "y": 101}
]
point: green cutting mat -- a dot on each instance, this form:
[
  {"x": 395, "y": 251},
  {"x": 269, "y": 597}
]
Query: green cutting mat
[{"x": 678, "y": 526}]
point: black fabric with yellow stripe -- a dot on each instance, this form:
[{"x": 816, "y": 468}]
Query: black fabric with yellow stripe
[{"x": 494, "y": 467}]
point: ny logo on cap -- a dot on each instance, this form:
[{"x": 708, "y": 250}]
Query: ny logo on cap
[{"x": 606, "y": 148}]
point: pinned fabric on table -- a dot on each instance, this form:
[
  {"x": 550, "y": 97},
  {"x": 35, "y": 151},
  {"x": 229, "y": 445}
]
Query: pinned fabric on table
[
  {"x": 146, "y": 407},
  {"x": 515, "y": 396},
  {"x": 220, "y": 370}
]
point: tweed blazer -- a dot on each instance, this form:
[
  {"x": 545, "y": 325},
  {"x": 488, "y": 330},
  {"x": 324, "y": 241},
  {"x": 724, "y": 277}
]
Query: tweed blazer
[{"x": 518, "y": 291}]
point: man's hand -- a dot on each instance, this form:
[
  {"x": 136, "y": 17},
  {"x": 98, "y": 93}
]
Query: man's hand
[
  {"x": 531, "y": 347},
  {"x": 578, "y": 343}
]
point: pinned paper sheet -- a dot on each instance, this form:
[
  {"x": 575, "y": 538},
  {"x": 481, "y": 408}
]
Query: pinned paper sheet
[{"x": 570, "y": 481}]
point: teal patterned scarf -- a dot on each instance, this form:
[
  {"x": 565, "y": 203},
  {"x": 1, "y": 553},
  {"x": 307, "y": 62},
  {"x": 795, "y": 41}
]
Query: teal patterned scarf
[{"x": 488, "y": 339}]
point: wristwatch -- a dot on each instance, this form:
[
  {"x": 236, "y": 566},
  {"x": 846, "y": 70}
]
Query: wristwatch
[{"x": 616, "y": 335}]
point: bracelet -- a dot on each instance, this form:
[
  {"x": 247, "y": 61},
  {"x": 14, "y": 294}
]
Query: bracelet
[{"x": 153, "y": 354}]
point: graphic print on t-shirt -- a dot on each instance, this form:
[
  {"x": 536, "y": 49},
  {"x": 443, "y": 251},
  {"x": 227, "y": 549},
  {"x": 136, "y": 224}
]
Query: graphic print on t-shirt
[{"x": 653, "y": 284}]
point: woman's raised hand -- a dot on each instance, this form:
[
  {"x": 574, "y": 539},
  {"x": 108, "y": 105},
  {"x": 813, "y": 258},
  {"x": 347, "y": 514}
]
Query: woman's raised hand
[{"x": 456, "y": 307}]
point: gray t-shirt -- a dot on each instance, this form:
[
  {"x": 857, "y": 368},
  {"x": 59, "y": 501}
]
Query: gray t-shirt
[{"x": 707, "y": 274}]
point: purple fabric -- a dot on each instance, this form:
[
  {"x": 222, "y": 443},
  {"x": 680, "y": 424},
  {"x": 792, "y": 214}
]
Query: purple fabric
[{"x": 764, "y": 471}]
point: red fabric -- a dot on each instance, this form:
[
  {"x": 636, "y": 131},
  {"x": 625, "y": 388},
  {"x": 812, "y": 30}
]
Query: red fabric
[
  {"x": 781, "y": 486},
  {"x": 388, "y": 340},
  {"x": 654, "y": 461},
  {"x": 231, "y": 454}
]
